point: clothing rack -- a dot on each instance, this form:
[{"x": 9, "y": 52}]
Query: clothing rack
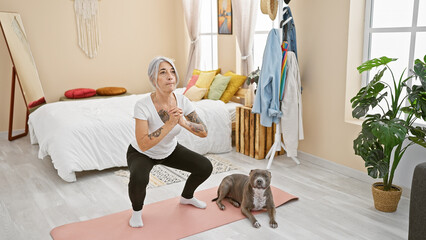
[{"x": 278, "y": 144}]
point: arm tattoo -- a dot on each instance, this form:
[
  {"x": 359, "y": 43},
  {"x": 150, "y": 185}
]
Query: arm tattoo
[
  {"x": 164, "y": 115},
  {"x": 156, "y": 133},
  {"x": 195, "y": 122},
  {"x": 196, "y": 127}
]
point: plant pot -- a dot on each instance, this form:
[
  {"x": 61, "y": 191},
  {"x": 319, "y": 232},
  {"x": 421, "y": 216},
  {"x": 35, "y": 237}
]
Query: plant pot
[{"x": 386, "y": 201}]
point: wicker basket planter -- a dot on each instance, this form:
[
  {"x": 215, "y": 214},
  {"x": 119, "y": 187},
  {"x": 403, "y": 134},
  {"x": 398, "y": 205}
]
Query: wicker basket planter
[{"x": 386, "y": 201}]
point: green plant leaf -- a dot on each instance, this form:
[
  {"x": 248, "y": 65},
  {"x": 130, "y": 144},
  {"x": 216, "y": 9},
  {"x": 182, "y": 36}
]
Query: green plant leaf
[
  {"x": 389, "y": 132},
  {"x": 375, "y": 163},
  {"x": 407, "y": 109},
  {"x": 367, "y": 96},
  {"x": 364, "y": 143},
  {"x": 417, "y": 99},
  {"x": 417, "y": 93},
  {"x": 376, "y": 62},
  {"x": 370, "y": 119},
  {"x": 418, "y": 135},
  {"x": 420, "y": 72},
  {"x": 367, "y": 146}
]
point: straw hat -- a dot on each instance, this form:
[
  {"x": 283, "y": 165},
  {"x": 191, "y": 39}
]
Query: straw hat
[{"x": 269, "y": 7}]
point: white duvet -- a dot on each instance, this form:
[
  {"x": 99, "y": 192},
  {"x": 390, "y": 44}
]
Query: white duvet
[{"x": 95, "y": 134}]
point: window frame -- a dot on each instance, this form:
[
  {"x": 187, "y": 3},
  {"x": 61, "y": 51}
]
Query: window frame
[
  {"x": 212, "y": 35},
  {"x": 369, "y": 30}
]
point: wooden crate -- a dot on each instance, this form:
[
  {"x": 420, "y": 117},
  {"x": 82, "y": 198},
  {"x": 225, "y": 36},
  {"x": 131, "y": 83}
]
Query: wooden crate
[{"x": 251, "y": 138}]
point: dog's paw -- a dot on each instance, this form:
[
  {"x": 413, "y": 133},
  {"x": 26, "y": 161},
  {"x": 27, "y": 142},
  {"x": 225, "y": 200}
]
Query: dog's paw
[
  {"x": 273, "y": 224},
  {"x": 221, "y": 206},
  {"x": 256, "y": 224},
  {"x": 235, "y": 204}
]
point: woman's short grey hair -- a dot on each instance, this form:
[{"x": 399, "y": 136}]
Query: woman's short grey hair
[{"x": 153, "y": 69}]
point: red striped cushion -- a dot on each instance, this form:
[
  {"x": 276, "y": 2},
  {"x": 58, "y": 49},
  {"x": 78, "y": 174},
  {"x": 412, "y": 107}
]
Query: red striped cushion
[
  {"x": 80, "y": 93},
  {"x": 36, "y": 102}
]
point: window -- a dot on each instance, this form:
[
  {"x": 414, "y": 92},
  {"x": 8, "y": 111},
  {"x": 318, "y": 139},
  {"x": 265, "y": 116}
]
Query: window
[
  {"x": 263, "y": 27},
  {"x": 208, "y": 35},
  {"x": 395, "y": 29}
]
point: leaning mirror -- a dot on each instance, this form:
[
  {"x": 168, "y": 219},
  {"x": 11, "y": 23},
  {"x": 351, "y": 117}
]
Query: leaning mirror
[
  {"x": 24, "y": 68},
  {"x": 22, "y": 58}
]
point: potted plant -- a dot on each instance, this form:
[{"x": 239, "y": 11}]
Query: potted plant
[{"x": 385, "y": 136}]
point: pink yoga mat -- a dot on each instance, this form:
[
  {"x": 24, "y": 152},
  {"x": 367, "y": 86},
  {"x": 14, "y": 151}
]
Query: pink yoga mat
[{"x": 162, "y": 220}]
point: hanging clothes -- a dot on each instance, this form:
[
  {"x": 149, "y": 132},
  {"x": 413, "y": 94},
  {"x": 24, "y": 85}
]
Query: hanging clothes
[
  {"x": 267, "y": 102},
  {"x": 289, "y": 31},
  {"x": 291, "y": 120}
]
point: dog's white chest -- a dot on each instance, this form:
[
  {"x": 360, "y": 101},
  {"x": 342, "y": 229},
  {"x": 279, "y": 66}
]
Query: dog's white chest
[{"x": 259, "y": 200}]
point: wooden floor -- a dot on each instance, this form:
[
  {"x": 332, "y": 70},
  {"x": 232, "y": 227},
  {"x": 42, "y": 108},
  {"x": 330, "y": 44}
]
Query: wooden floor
[{"x": 33, "y": 200}]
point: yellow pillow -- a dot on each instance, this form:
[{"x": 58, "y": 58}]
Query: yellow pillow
[
  {"x": 205, "y": 80},
  {"x": 198, "y": 72},
  {"x": 233, "y": 86},
  {"x": 195, "y": 93}
]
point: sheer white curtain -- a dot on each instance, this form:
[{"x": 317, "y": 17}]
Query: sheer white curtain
[
  {"x": 192, "y": 10},
  {"x": 244, "y": 14}
]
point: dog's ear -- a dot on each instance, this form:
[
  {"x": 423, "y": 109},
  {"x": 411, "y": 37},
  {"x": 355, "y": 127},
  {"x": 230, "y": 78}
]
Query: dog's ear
[
  {"x": 251, "y": 171},
  {"x": 269, "y": 174}
]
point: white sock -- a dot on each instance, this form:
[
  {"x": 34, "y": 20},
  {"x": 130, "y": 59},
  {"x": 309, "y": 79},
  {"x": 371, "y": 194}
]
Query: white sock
[
  {"x": 194, "y": 202},
  {"x": 136, "y": 219}
]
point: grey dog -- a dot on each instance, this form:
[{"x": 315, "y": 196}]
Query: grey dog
[{"x": 250, "y": 192}]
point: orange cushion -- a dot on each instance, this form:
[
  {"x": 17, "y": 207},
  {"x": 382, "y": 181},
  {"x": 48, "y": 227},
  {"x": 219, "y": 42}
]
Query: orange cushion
[
  {"x": 80, "y": 93},
  {"x": 110, "y": 91}
]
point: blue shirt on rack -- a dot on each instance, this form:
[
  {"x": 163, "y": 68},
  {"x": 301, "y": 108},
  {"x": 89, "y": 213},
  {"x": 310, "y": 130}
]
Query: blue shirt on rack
[
  {"x": 267, "y": 102},
  {"x": 289, "y": 31}
]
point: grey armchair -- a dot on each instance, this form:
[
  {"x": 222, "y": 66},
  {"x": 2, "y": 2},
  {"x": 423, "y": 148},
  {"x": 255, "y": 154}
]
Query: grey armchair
[{"x": 417, "y": 219}]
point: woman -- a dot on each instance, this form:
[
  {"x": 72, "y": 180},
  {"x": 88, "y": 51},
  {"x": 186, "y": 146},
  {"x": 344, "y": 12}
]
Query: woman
[{"x": 159, "y": 117}]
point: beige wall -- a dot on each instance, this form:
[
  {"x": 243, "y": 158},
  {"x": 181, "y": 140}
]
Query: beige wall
[
  {"x": 132, "y": 33},
  {"x": 228, "y": 48},
  {"x": 322, "y": 36}
]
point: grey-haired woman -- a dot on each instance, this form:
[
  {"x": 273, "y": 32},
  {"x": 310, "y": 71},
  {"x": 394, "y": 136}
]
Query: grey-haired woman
[{"x": 159, "y": 117}]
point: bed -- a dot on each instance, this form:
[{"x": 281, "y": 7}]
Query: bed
[{"x": 95, "y": 134}]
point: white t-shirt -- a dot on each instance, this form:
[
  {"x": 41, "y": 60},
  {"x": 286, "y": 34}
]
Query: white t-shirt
[{"x": 145, "y": 110}]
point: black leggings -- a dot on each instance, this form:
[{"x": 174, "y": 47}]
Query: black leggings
[{"x": 181, "y": 158}]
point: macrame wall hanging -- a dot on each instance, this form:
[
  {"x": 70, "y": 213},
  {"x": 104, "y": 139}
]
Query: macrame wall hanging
[{"x": 86, "y": 14}]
